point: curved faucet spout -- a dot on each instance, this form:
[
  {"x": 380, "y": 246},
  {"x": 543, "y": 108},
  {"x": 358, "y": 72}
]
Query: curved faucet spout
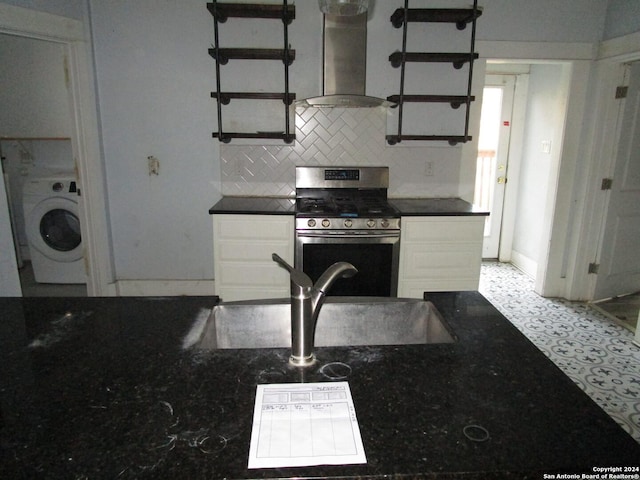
[
  {"x": 333, "y": 273},
  {"x": 306, "y": 300}
]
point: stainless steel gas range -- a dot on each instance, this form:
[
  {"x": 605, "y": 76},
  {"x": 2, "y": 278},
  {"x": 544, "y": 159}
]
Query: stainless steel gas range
[{"x": 342, "y": 214}]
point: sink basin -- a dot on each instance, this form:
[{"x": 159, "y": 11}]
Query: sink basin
[{"x": 342, "y": 321}]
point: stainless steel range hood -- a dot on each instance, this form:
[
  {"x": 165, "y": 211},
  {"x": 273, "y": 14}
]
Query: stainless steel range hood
[{"x": 344, "y": 65}]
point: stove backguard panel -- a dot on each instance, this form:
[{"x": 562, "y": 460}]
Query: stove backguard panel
[{"x": 339, "y": 137}]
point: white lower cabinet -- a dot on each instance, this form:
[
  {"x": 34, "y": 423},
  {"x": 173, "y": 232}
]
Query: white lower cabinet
[
  {"x": 436, "y": 254},
  {"x": 242, "y": 248},
  {"x": 439, "y": 254}
]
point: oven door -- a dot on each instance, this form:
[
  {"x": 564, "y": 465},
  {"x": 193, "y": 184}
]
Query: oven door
[{"x": 375, "y": 254}]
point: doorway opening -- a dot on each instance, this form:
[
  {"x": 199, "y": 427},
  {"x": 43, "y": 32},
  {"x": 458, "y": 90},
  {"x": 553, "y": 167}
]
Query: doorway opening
[
  {"x": 37, "y": 155},
  {"x": 519, "y": 158},
  {"x": 70, "y": 35},
  {"x": 493, "y": 157}
]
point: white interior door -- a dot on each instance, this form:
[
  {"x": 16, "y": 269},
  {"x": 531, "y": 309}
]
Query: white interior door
[
  {"x": 619, "y": 250},
  {"x": 493, "y": 156}
]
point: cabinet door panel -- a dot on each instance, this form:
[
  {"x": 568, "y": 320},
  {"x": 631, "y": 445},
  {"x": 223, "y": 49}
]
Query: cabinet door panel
[
  {"x": 439, "y": 254},
  {"x": 242, "y": 248}
]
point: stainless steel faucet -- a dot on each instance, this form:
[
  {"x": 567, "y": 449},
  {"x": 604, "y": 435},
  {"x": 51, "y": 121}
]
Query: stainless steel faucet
[{"x": 306, "y": 300}]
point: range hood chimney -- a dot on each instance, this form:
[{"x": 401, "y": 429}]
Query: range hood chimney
[{"x": 344, "y": 64}]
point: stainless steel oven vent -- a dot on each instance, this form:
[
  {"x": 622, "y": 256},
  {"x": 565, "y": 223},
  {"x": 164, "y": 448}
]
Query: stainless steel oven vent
[{"x": 344, "y": 65}]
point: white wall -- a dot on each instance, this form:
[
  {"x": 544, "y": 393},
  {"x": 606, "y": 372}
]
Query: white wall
[
  {"x": 154, "y": 79},
  {"x": 541, "y": 20},
  {"x": 544, "y": 123},
  {"x": 33, "y": 96},
  {"x": 623, "y": 18},
  {"x": 65, "y": 8}
]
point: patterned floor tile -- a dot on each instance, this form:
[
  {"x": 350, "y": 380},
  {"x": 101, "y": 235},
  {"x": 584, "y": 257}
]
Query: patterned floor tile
[{"x": 597, "y": 354}]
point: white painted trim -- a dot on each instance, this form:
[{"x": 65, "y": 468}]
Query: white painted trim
[
  {"x": 164, "y": 288},
  {"x": 86, "y": 148},
  {"x": 524, "y": 263},
  {"x": 516, "y": 146},
  {"x": 541, "y": 51},
  {"x": 555, "y": 256},
  {"x": 469, "y": 153},
  {"x": 85, "y": 137},
  {"x": 597, "y": 154},
  {"x": 622, "y": 49},
  {"x": 34, "y": 24},
  {"x": 600, "y": 134}
]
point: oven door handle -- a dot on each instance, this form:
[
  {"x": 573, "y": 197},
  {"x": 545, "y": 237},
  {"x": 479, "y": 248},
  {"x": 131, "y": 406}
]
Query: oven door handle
[{"x": 340, "y": 235}]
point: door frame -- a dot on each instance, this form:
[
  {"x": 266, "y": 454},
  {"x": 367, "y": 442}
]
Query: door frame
[
  {"x": 520, "y": 72},
  {"x": 554, "y": 274},
  {"x": 85, "y": 140},
  {"x": 603, "y": 135},
  {"x": 613, "y": 287},
  {"x": 506, "y": 85}
]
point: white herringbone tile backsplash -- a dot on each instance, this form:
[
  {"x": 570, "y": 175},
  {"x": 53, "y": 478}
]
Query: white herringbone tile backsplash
[{"x": 338, "y": 137}]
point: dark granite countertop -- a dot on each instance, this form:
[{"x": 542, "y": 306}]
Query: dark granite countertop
[
  {"x": 255, "y": 206},
  {"x": 435, "y": 207},
  {"x": 102, "y": 388},
  {"x": 286, "y": 206}
]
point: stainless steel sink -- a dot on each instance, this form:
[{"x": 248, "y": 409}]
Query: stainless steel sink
[{"x": 342, "y": 321}]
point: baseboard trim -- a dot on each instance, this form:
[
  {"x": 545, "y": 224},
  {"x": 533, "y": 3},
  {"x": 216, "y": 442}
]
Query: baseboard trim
[
  {"x": 522, "y": 262},
  {"x": 164, "y": 288}
]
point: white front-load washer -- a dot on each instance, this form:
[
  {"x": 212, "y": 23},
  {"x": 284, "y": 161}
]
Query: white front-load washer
[{"x": 53, "y": 229}]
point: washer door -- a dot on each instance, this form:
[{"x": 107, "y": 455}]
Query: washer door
[{"x": 53, "y": 228}]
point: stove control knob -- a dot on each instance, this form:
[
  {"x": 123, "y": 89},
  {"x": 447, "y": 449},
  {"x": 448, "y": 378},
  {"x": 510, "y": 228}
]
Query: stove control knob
[
  {"x": 311, "y": 223},
  {"x": 371, "y": 223},
  {"x": 348, "y": 223},
  {"x": 326, "y": 223},
  {"x": 384, "y": 223}
]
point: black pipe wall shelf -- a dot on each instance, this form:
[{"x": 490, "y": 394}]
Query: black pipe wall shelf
[
  {"x": 226, "y": 97},
  {"x": 454, "y": 100},
  {"x": 221, "y": 12},
  {"x": 223, "y": 55},
  {"x": 461, "y": 18},
  {"x": 456, "y": 59}
]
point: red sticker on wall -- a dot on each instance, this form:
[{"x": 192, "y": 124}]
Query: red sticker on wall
[{"x": 506, "y": 123}]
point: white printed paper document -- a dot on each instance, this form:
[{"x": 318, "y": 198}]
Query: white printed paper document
[{"x": 302, "y": 424}]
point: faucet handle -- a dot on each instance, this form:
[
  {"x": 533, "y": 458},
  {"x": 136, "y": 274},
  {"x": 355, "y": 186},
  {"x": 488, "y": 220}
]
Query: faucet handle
[{"x": 298, "y": 277}]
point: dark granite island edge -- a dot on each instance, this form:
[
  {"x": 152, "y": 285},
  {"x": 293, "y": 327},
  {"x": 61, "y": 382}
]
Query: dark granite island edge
[{"x": 103, "y": 388}]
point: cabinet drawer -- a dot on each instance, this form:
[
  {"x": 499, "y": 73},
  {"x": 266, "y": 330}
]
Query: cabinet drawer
[
  {"x": 252, "y": 274},
  {"x": 442, "y": 229},
  {"x": 439, "y": 261},
  {"x": 255, "y": 228},
  {"x": 252, "y": 251}
]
